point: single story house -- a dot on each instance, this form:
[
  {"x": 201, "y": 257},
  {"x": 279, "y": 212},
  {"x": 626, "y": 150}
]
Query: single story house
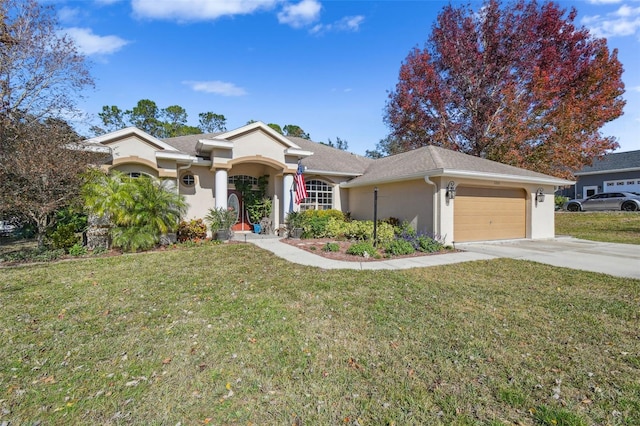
[
  {"x": 614, "y": 172},
  {"x": 454, "y": 196}
]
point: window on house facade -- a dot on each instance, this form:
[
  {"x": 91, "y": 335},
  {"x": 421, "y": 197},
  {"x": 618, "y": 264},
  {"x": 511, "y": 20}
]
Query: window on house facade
[
  {"x": 319, "y": 195},
  {"x": 134, "y": 174},
  {"x": 231, "y": 180},
  {"x": 188, "y": 179}
]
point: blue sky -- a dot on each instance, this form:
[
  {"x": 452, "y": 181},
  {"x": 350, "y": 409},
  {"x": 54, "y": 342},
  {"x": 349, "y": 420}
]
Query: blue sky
[{"x": 326, "y": 66}]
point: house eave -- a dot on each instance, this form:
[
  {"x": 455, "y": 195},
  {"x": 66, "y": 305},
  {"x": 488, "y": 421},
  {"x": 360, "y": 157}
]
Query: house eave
[
  {"x": 331, "y": 173},
  {"x": 298, "y": 152},
  {"x": 207, "y": 145},
  {"x": 500, "y": 177},
  {"x": 186, "y": 158},
  {"x": 100, "y": 149},
  {"x": 603, "y": 172},
  {"x": 381, "y": 181},
  {"x": 464, "y": 174}
]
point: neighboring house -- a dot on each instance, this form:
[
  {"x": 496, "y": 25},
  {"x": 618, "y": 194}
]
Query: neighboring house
[
  {"x": 614, "y": 172},
  {"x": 454, "y": 196}
]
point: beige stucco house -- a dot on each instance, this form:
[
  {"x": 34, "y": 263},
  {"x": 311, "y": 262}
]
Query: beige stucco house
[{"x": 449, "y": 194}]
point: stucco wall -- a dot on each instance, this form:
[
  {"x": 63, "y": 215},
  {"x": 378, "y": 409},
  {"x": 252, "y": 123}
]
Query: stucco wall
[
  {"x": 409, "y": 201},
  {"x": 542, "y": 224},
  {"x": 200, "y": 196},
  {"x": 133, "y": 146}
]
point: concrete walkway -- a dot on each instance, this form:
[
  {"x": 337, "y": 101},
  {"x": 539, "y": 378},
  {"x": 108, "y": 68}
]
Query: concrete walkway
[{"x": 622, "y": 260}]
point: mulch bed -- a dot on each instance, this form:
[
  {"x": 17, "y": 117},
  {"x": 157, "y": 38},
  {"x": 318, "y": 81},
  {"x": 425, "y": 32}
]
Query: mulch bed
[{"x": 315, "y": 246}]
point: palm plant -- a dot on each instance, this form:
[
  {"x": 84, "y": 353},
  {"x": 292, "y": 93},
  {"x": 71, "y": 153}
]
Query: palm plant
[{"x": 141, "y": 209}]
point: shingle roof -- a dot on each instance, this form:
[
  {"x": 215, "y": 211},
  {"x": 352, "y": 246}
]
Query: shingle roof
[
  {"x": 328, "y": 159},
  {"x": 408, "y": 165},
  {"x": 421, "y": 161},
  {"x": 612, "y": 162},
  {"x": 187, "y": 144}
]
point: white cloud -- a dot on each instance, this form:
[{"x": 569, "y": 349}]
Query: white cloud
[
  {"x": 623, "y": 22},
  {"x": 68, "y": 14},
  {"x": 218, "y": 87},
  {"x": 604, "y": 1},
  {"x": 301, "y": 14},
  {"x": 89, "y": 43},
  {"x": 197, "y": 10},
  {"x": 348, "y": 23}
]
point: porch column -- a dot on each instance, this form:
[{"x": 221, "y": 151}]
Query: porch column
[
  {"x": 287, "y": 200},
  {"x": 221, "y": 188}
]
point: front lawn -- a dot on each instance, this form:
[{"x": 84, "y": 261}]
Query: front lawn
[
  {"x": 231, "y": 334},
  {"x": 612, "y": 227}
]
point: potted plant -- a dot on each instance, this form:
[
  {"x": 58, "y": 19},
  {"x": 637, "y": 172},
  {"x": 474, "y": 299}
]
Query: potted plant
[
  {"x": 221, "y": 220},
  {"x": 294, "y": 224}
]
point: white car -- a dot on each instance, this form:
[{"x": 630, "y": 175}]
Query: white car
[
  {"x": 627, "y": 201},
  {"x": 6, "y": 229}
]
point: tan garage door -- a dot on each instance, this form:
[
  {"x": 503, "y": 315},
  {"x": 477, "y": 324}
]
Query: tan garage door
[{"x": 489, "y": 214}]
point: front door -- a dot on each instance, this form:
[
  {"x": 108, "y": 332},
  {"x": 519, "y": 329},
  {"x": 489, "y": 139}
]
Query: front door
[{"x": 235, "y": 202}]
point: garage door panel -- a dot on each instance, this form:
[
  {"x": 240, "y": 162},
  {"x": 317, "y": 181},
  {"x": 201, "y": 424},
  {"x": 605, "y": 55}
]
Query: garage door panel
[{"x": 489, "y": 214}]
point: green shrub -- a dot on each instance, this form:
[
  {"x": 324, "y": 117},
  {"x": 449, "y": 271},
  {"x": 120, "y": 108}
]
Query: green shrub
[
  {"x": 63, "y": 236},
  {"x": 364, "y": 249},
  {"x": 314, "y": 222},
  {"x": 78, "y": 250},
  {"x": 195, "y": 229},
  {"x": 428, "y": 245},
  {"x": 331, "y": 247},
  {"x": 399, "y": 247},
  {"x": 559, "y": 201},
  {"x": 361, "y": 230},
  {"x": 393, "y": 221},
  {"x": 33, "y": 255}
]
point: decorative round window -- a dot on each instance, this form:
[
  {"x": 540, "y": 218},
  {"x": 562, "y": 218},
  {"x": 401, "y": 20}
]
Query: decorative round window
[{"x": 188, "y": 179}]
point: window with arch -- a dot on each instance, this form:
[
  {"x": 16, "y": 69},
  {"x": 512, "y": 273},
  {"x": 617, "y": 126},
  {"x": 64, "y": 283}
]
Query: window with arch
[{"x": 319, "y": 195}]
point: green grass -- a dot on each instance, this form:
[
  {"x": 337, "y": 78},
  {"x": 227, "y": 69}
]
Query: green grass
[
  {"x": 612, "y": 227},
  {"x": 231, "y": 334}
]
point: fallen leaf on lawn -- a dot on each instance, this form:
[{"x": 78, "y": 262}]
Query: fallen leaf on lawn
[
  {"x": 48, "y": 380},
  {"x": 252, "y": 340},
  {"x": 166, "y": 361},
  {"x": 228, "y": 386},
  {"x": 354, "y": 364}
]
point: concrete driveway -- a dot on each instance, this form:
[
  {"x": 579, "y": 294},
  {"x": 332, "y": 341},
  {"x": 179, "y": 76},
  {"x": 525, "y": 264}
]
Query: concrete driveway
[{"x": 622, "y": 260}]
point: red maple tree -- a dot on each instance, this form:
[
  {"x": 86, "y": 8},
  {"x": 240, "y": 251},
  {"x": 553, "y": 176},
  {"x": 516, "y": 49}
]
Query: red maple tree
[{"x": 519, "y": 84}]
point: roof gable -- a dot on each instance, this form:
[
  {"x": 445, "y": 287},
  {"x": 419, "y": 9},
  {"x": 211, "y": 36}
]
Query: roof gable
[
  {"x": 121, "y": 134},
  {"x": 257, "y": 126}
]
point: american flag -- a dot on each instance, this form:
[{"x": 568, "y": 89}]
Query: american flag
[{"x": 301, "y": 189}]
